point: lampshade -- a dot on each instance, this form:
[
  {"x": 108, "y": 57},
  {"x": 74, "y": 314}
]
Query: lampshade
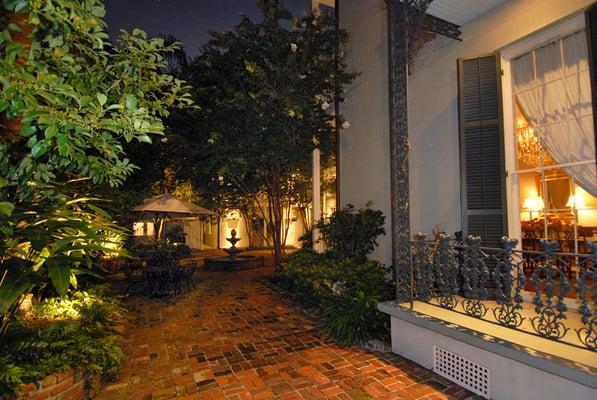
[
  {"x": 576, "y": 200},
  {"x": 533, "y": 203}
]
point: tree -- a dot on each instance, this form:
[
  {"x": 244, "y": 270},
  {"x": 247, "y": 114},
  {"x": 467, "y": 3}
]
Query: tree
[
  {"x": 69, "y": 102},
  {"x": 264, "y": 90}
]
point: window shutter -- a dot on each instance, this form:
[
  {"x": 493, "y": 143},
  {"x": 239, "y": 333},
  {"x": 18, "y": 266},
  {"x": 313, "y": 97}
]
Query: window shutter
[
  {"x": 482, "y": 150},
  {"x": 591, "y": 15}
]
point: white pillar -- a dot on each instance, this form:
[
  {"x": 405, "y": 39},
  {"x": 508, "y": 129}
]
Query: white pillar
[{"x": 316, "y": 215}]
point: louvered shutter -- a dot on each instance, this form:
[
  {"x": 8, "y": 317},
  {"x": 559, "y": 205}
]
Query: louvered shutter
[
  {"x": 591, "y": 15},
  {"x": 481, "y": 150}
]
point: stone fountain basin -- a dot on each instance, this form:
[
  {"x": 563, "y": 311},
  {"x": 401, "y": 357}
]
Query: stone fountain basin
[{"x": 236, "y": 264}]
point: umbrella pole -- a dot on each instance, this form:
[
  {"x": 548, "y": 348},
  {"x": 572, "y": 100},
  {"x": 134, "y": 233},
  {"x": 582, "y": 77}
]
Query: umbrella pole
[{"x": 156, "y": 229}]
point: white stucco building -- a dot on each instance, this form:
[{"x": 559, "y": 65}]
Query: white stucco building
[{"x": 501, "y": 143}]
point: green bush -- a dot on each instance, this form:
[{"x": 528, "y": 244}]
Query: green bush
[
  {"x": 308, "y": 277},
  {"x": 352, "y": 234},
  {"x": 354, "y": 318},
  {"x": 60, "y": 334},
  {"x": 344, "y": 293},
  {"x": 162, "y": 252}
]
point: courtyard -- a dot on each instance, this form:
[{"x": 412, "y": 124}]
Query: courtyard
[{"x": 235, "y": 337}]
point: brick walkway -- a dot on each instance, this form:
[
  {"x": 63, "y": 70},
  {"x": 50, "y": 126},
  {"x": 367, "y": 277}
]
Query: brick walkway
[{"x": 233, "y": 338}]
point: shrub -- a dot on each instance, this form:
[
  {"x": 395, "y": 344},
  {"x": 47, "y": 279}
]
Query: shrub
[
  {"x": 60, "y": 334},
  {"x": 343, "y": 292},
  {"x": 158, "y": 253},
  {"x": 354, "y": 319},
  {"x": 308, "y": 277},
  {"x": 90, "y": 306},
  {"x": 352, "y": 234}
]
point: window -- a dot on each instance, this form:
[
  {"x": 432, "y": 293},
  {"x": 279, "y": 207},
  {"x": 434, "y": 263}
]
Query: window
[{"x": 550, "y": 140}]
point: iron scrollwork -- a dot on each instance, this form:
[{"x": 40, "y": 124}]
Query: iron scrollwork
[
  {"x": 422, "y": 268},
  {"x": 550, "y": 285},
  {"x": 509, "y": 281},
  {"x": 456, "y": 276},
  {"x": 475, "y": 276},
  {"x": 446, "y": 273},
  {"x": 588, "y": 273}
]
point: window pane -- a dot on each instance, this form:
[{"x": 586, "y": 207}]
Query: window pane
[
  {"x": 548, "y": 63},
  {"x": 523, "y": 73},
  {"x": 578, "y": 92},
  {"x": 557, "y": 190},
  {"x": 556, "y": 139},
  {"x": 553, "y": 103},
  {"x": 575, "y": 53}
]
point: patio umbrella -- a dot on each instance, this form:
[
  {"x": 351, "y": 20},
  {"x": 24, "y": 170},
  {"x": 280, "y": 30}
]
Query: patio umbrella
[{"x": 168, "y": 206}]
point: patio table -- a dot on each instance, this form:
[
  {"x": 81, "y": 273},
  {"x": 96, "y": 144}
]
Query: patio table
[{"x": 163, "y": 281}]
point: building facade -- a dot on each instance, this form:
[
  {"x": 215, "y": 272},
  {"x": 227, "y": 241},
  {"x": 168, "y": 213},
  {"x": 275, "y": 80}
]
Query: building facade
[{"x": 501, "y": 143}]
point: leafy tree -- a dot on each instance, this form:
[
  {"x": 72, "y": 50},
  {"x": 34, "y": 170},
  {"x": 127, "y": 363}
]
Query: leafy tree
[
  {"x": 264, "y": 90},
  {"x": 70, "y": 100}
]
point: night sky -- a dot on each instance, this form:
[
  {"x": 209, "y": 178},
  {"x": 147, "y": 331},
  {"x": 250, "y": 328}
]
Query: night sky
[{"x": 188, "y": 20}]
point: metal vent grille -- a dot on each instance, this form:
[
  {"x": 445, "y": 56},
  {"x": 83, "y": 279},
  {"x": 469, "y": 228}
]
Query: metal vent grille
[{"x": 458, "y": 369}]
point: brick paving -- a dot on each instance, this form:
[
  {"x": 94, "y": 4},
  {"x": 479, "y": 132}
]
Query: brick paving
[{"x": 233, "y": 337}]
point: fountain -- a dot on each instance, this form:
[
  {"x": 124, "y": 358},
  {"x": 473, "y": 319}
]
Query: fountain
[{"x": 234, "y": 261}]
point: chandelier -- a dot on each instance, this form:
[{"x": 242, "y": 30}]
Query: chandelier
[{"x": 528, "y": 149}]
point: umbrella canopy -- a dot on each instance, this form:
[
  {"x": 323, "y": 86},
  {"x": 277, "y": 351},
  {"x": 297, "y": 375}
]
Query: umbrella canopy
[{"x": 170, "y": 206}]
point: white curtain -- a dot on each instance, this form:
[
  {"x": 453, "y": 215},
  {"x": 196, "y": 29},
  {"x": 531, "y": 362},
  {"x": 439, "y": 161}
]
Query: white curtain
[{"x": 552, "y": 87}]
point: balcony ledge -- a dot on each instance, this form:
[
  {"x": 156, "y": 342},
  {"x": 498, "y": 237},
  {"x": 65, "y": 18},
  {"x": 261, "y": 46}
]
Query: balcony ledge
[{"x": 560, "y": 359}]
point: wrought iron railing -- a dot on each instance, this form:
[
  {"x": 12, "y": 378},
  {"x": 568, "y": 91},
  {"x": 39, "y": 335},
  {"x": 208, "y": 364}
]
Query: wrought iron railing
[{"x": 546, "y": 293}]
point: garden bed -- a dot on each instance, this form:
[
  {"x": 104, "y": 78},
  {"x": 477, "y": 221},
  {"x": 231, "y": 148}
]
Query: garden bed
[{"x": 62, "y": 348}]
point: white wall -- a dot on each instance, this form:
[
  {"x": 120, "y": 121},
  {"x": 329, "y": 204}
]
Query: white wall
[
  {"x": 508, "y": 379},
  {"x": 433, "y": 107},
  {"x": 364, "y": 146},
  {"x": 433, "y": 103},
  {"x": 193, "y": 228},
  {"x": 233, "y": 220}
]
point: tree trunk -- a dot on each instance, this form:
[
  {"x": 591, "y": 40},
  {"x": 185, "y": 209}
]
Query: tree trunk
[{"x": 12, "y": 127}]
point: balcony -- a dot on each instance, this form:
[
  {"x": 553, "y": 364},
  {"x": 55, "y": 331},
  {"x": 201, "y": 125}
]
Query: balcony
[{"x": 519, "y": 314}]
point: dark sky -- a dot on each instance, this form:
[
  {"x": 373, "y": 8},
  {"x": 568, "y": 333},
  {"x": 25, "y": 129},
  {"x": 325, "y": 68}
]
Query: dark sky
[{"x": 188, "y": 20}]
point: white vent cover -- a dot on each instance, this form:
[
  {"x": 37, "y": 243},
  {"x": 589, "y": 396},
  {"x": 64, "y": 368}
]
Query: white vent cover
[{"x": 466, "y": 373}]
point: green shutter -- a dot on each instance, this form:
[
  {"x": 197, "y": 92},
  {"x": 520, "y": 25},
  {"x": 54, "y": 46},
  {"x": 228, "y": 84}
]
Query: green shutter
[
  {"x": 591, "y": 15},
  {"x": 481, "y": 150}
]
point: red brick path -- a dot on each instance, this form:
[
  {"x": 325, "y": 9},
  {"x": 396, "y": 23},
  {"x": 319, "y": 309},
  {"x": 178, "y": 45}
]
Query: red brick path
[{"x": 233, "y": 338}]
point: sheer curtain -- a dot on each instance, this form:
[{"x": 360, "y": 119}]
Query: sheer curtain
[{"x": 552, "y": 87}]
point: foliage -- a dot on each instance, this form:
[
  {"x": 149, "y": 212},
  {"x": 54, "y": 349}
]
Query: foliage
[
  {"x": 345, "y": 293},
  {"x": 10, "y": 378},
  {"x": 70, "y": 101},
  {"x": 158, "y": 253},
  {"x": 175, "y": 233},
  {"x": 264, "y": 89},
  {"x": 52, "y": 240},
  {"x": 70, "y": 332},
  {"x": 355, "y": 319},
  {"x": 350, "y": 234},
  {"x": 90, "y": 305}
]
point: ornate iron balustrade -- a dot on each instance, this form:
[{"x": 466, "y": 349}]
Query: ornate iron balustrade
[{"x": 546, "y": 293}]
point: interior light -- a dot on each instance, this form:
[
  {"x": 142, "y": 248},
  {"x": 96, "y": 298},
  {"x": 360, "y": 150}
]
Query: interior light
[
  {"x": 576, "y": 200},
  {"x": 533, "y": 203}
]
